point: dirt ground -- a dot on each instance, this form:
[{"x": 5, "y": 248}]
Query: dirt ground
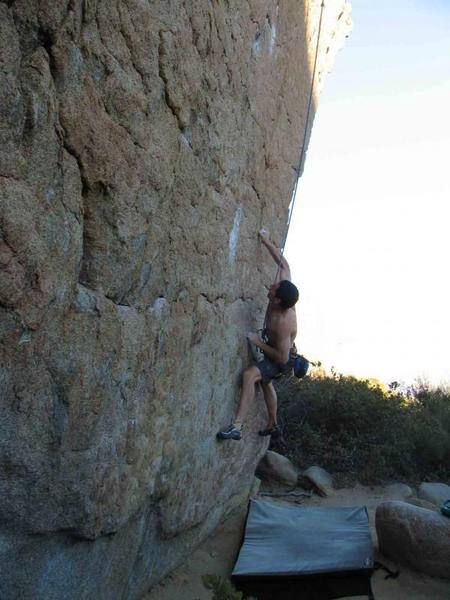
[{"x": 218, "y": 553}]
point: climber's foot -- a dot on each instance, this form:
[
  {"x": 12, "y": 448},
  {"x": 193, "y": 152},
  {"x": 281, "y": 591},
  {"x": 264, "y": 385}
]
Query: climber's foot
[
  {"x": 230, "y": 433},
  {"x": 274, "y": 431}
]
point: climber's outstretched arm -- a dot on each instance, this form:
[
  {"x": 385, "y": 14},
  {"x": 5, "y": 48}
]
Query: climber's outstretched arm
[{"x": 284, "y": 272}]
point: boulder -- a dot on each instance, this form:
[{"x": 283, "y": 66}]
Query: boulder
[
  {"x": 422, "y": 503},
  {"x": 436, "y": 493},
  {"x": 398, "y": 491},
  {"x": 319, "y": 479},
  {"x": 416, "y": 537},
  {"x": 142, "y": 146},
  {"x": 275, "y": 467}
]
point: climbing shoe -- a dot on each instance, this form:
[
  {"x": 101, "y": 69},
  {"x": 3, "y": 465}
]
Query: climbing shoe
[
  {"x": 230, "y": 433},
  {"x": 274, "y": 431}
]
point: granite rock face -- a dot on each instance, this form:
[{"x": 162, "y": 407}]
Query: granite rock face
[{"x": 142, "y": 145}]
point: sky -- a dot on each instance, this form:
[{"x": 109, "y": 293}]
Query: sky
[{"x": 369, "y": 242}]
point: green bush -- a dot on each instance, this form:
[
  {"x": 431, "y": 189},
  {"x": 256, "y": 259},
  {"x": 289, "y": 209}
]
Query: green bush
[
  {"x": 222, "y": 588},
  {"x": 364, "y": 430}
]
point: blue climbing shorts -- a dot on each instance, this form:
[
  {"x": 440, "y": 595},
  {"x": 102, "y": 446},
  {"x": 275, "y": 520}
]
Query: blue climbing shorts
[{"x": 270, "y": 370}]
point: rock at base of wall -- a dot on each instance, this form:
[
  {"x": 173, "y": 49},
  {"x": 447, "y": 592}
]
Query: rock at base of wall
[
  {"x": 414, "y": 536},
  {"x": 398, "y": 490},
  {"x": 274, "y": 466},
  {"x": 436, "y": 493},
  {"x": 319, "y": 479}
]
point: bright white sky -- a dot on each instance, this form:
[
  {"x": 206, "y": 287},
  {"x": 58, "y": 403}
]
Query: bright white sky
[{"x": 369, "y": 243}]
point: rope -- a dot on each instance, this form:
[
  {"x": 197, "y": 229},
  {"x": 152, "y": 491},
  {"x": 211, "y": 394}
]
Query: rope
[{"x": 302, "y": 151}]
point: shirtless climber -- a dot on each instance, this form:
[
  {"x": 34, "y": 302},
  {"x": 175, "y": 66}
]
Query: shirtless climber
[{"x": 281, "y": 329}]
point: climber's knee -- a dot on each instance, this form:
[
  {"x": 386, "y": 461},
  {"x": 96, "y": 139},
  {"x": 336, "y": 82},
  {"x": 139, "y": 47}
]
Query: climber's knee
[{"x": 251, "y": 375}]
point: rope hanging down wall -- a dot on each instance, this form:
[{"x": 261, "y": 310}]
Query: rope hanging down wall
[
  {"x": 302, "y": 151},
  {"x": 305, "y": 135}
]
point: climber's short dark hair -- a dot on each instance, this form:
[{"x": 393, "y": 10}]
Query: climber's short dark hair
[{"x": 287, "y": 293}]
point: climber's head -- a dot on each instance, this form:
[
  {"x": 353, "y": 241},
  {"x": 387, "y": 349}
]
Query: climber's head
[{"x": 284, "y": 294}]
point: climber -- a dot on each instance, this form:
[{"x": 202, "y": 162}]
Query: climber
[{"x": 278, "y": 347}]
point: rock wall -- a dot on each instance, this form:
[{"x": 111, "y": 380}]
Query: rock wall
[{"x": 142, "y": 145}]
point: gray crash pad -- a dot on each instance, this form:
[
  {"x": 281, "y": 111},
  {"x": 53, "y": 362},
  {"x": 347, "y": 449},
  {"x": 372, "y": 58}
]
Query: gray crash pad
[{"x": 284, "y": 545}]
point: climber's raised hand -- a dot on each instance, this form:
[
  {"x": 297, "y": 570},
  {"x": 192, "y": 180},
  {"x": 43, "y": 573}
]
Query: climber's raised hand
[{"x": 253, "y": 337}]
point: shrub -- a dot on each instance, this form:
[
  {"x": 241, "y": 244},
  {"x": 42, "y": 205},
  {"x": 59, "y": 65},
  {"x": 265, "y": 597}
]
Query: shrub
[
  {"x": 364, "y": 430},
  {"x": 222, "y": 588}
]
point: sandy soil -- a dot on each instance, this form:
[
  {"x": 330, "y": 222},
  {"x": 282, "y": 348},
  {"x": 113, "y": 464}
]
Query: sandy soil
[{"x": 218, "y": 553}]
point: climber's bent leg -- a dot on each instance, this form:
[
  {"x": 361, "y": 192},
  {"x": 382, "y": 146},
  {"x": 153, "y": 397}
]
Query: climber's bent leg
[
  {"x": 270, "y": 397},
  {"x": 250, "y": 378}
]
